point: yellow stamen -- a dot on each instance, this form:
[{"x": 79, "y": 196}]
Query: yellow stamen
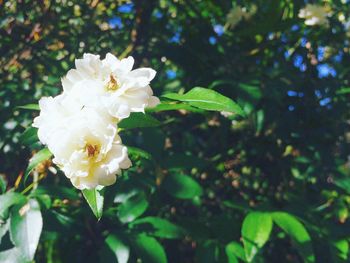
[
  {"x": 92, "y": 150},
  {"x": 112, "y": 84}
]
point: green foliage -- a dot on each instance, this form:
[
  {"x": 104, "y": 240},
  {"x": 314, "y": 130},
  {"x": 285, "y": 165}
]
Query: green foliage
[
  {"x": 121, "y": 250},
  {"x": 182, "y": 186},
  {"x": 25, "y": 228},
  {"x": 297, "y": 232},
  {"x": 149, "y": 249},
  {"x": 158, "y": 227},
  {"x": 268, "y": 183},
  {"x": 37, "y": 158},
  {"x": 132, "y": 207},
  {"x": 138, "y": 120},
  {"x": 256, "y": 231},
  {"x": 207, "y": 99},
  {"x": 95, "y": 199}
]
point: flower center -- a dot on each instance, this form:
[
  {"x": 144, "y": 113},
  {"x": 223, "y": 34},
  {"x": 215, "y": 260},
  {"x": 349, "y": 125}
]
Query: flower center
[
  {"x": 113, "y": 84},
  {"x": 92, "y": 150}
]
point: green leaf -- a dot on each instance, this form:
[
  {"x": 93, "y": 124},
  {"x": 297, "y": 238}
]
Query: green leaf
[
  {"x": 138, "y": 120},
  {"x": 29, "y": 136},
  {"x": 208, "y": 252},
  {"x": 133, "y": 207},
  {"x": 343, "y": 90},
  {"x": 39, "y": 157},
  {"x": 4, "y": 227},
  {"x": 159, "y": 227},
  {"x": 58, "y": 191},
  {"x": 297, "y": 232},
  {"x": 3, "y": 184},
  {"x": 139, "y": 153},
  {"x": 182, "y": 186},
  {"x": 120, "y": 249},
  {"x": 256, "y": 231},
  {"x": 341, "y": 248},
  {"x": 207, "y": 99},
  {"x": 13, "y": 255},
  {"x": 233, "y": 251},
  {"x": 172, "y": 106},
  {"x": 7, "y": 200},
  {"x": 149, "y": 249},
  {"x": 343, "y": 182},
  {"x": 29, "y": 107},
  {"x": 25, "y": 228},
  {"x": 95, "y": 199}
]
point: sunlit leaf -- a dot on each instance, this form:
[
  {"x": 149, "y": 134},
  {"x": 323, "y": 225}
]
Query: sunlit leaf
[
  {"x": 25, "y": 228},
  {"x": 235, "y": 251},
  {"x": 95, "y": 199},
  {"x": 13, "y": 255},
  {"x": 133, "y": 207},
  {"x": 149, "y": 249},
  {"x": 7, "y": 200},
  {"x": 119, "y": 248},
  {"x": 173, "y": 106},
  {"x": 29, "y": 107},
  {"x": 256, "y": 231},
  {"x": 38, "y": 158},
  {"x": 207, "y": 99},
  {"x": 297, "y": 232}
]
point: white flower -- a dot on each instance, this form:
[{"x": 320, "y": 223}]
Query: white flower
[
  {"x": 84, "y": 141},
  {"x": 54, "y": 113},
  {"x": 226, "y": 114},
  {"x": 314, "y": 15},
  {"x": 238, "y": 13},
  {"x": 111, "y": 84}
]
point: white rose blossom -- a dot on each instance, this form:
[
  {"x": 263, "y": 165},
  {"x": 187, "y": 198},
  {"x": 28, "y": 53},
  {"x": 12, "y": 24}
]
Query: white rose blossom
[
  {"x": 111, "y": 85},
  {"x": 84, "y": 142},
  {"x": 79, "y": 126},
  {"x": 315, "y": 15}
]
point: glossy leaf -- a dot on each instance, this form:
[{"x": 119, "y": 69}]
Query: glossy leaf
[
  {"x": 235, "y": 251},
  {"x": 207, "y": 99},
  {"x": 3, "y": 184},
  {"x": 139, "y": 153},
  {"x": 95, "y": 199},
  {"x": 38, "y": 158},
  {"x": 13, "y": 255},
  {"x": 133, "y": 207},
  {"x": 341, "y": 249},
  {"x": 149, "y": 249},
  {"x": 138, "y": 120},
  {"x": 172, "y": 106},
  {"x": 182, "y": 186},
  {"x": 297, "y": 232},
  {"x": 256, "y": 231},
  {"x": 159, "y": 227},
  {"x": 29, "y": 107},
  {"x": 29, "y": 136},
  {"x": 25, "y": 228},
  {"x": 7, "y": 200},
  {"x": 119, "y": 248}
]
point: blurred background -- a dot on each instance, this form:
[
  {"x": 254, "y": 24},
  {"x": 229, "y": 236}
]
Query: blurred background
[{"x": 291, "y": 152}]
